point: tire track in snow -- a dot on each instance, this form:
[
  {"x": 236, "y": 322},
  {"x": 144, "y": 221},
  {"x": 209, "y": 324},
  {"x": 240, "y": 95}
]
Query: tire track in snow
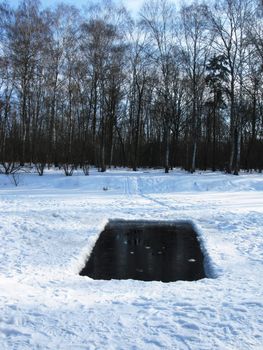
[
  {"x": 131, "y": 186},
  {"x": 128, "y": 188},
  {"x": 133, "y": 192},
  {"x": 137, "y": 190},
  {"x": 143, "y": 195}
]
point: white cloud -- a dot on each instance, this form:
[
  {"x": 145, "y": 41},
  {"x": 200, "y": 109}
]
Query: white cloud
[{"x": 133, "y": 5}]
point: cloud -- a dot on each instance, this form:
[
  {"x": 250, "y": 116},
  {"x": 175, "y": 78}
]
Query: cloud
[{"x": 133, "y": 5}]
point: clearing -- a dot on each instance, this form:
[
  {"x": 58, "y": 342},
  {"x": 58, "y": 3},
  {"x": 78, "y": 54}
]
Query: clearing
[{"x": 49, "y": 224}]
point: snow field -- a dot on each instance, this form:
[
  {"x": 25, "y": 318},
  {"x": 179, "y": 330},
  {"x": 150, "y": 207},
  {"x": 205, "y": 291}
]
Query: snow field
[{"x": 48, "y": 226}]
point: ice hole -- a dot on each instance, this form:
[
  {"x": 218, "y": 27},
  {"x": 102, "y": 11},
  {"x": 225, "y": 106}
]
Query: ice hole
[{"x": 148, "y": 251}]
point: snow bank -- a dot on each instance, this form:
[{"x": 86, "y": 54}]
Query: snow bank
[{"x": 148, "y": 182}]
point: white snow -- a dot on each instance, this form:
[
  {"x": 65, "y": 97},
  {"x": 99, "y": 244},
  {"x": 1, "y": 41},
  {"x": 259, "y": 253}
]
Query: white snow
[{"x": 49, "y": 224}]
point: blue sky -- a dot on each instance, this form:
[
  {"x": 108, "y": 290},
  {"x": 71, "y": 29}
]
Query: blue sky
[{"x": 132, "y": 5}]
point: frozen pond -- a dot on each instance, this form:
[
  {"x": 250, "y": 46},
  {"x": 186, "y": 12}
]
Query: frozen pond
[{"x": 148, "y": 251}]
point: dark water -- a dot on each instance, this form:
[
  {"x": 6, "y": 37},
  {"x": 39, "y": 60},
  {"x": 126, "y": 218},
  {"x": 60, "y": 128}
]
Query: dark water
[{"x": 147, "y": 251}]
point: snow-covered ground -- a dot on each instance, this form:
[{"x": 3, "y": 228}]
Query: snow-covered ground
[{"x": 49, "y": 224}]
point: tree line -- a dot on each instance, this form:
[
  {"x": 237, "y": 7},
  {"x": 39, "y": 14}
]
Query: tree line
[{"x": 173, "y": 87}]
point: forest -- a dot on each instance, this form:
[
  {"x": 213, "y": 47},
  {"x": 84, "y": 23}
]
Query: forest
[{"x": 170, "y": 87}]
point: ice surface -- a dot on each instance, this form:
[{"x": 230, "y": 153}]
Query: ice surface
[
  {"x": 49, "y": 224},
  {"x": 166, "y": 251}
]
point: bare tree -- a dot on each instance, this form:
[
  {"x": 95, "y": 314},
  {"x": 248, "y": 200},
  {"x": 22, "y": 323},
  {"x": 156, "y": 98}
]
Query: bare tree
[
  {"x": 93, "y": 88},
  {"x": 157, "y": 19},
  {"x": 229, "y": 19},
  {"x": 195, "y": 48}
]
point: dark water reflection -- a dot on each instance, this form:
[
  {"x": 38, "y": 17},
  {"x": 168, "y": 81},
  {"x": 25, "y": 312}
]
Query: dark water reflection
[{"x": 148, "y": 251}]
